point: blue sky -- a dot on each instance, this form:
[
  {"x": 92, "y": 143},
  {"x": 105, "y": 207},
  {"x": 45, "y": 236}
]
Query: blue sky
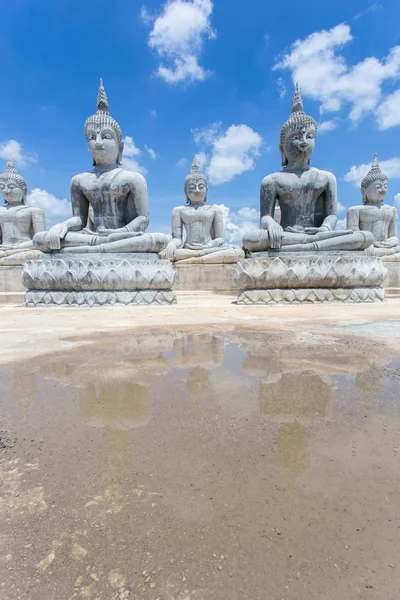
[{"x": 213, "y": 78}]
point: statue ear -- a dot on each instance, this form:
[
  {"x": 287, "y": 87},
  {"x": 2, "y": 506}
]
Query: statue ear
[
  {"x": 284, "y": 159},
  {"x": 121, "y": 149}
]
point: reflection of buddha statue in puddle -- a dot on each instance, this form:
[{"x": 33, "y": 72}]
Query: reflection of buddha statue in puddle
[
  {"x": 118, "y": 198},
  {"x": 306, "y": 196},
  {"x": 296, "y": 399},
  {"x": 204, "y": 226},
  {"x": 19, "y": 222},
  {"x": 198, "y": 353},
  {"x": 374, "y": 216}
]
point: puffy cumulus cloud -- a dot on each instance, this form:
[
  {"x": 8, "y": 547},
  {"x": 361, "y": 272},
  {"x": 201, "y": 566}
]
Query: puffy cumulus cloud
[
  {"x": 237, "y": 223},
  {"x": 388, "y": 113},
  {"x": 341, "y": 224},
  {"x": 130, "y": 155},
  {"x": 324, "y": 75},
  {"x": 232, "y": 152},
  {"x": 152, "y": 153},
  {"x": 327, "y": 126},
  {"x": 201, "y": 160},
  {"x": 55, "y": 209},
  {"x": 178, "y": 36},
  {"x": 13, "y": 149},
  {"x": 390, "y": 167},
  {"x": 340, "y": 207}
]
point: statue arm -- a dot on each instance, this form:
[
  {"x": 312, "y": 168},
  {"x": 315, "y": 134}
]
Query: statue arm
[
  {"x": 353, "y": 219},
  {"x": 217, "y": 228},
  {"x": 268, "y": 199},
  {"x": 392, "y": 233},
  {"x": 38, "y": 221},
  {"x": 177, "y": 228},
  {"x": 330, "y": 220},
  {"x": 141, "y": 205}
]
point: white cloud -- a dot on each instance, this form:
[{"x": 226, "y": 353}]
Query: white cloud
[
  {"x": 181, "y": 162},
  {"x": 151, "y": 152},
  {"x": 391, "y": 168},
  {"x": 281, "y": 87},
  {"x": 178, "y": 36},
  {"x": 55, "y": 209},
  {"x": 388, "y": 113},
  {"x": 324, "y": 75},
  {"x": 237, "y": 223},
  {"x": 341, "y": 224},
  {"x": 131, "y": 151},
  {"x": 233, "y": 151},
  {"x": 340, "y": 207},
  {"x": 327, "y": 126},
  {"x": 13, "y": 149},
  {"x": 375, "y": 6}
]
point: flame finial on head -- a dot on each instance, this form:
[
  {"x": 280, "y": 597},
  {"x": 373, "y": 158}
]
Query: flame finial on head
[
  {"x": 11, "y": 173},
  {"x": 102, "y": 117},
  {"x": 297, "y": 102},
  {"x": 102, "y": 100},
  {"x": 374, "y": 174}
]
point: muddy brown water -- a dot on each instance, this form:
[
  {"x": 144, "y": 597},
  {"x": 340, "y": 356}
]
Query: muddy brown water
[{"x": 202, "y": 465}]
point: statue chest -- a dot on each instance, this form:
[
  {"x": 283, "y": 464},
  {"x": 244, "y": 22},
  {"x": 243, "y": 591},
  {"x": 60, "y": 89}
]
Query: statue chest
[
  {"x": 376, "y": 220},
  {"x": 15, "y": 224},
  {"x": 107, "y": 197},
  {"x": 200, "y": 218}
]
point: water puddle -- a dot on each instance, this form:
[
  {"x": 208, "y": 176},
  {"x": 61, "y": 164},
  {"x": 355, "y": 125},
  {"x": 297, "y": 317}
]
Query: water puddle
[{"x": 183, "y": 465}]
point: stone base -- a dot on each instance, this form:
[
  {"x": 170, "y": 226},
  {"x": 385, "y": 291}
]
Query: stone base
[
  {"x": 98, "y": 298},
  {"x": 215, "y": 278},
  {"x": 10, "y": 279},
  {"x": 98, "y": 280},
  {"x": 269, "y": 278},
  {"x": 392, "y": 279},
  {"x": 311, "y": 296}
]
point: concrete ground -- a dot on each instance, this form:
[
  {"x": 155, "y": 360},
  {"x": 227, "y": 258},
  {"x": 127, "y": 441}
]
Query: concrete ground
[{"x": 202, "y": 451}]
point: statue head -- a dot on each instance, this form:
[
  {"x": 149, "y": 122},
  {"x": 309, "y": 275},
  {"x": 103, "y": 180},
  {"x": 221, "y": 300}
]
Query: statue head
[
  {"x": 196, "y": 186},
  {"x": 297, "y": 134},
  {"x": 13, "y": 185},
  {"x": 374, "y": 185},
  {"x": 103, "y": 133}
]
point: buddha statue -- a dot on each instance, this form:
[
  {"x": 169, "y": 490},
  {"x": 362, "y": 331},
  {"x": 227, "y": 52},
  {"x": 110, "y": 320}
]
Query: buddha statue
[
  {"x": 117, "y": 197},
  {"x": 203, "y": 224},
  {"x": 374, "y": 216},
  {"x": 307, "y": 198},
  {"x": 18, "y": 221}
]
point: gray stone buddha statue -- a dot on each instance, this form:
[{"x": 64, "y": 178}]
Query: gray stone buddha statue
[
  {"x": 374, "y": 216},
  {"x": 307, "y": 198},
  {"x": 118, "y": 198},
  {"x": 19, "y": 222},
  {"x": 203, "y": 225}
]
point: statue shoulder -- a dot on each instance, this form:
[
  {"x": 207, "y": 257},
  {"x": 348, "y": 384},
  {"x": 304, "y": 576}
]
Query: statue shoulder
[
  {"x": 271, "y": 179},
  {"x": 328, "y": 175},
  {"x": 355, "y": 209},
  {"x": 35, "y": 209},
  {"x": 178, "y": 209},
  {"x": 76, "y": 181},
  {"x": 133, "y": 178}
]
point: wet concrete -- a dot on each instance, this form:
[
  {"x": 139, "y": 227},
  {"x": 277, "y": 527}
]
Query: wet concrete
[{"x": 203, "y": 463}]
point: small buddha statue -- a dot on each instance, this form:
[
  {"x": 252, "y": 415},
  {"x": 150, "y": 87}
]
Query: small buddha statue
[
  {"x": 118, "y": 198},
  {"x": 307, "y": 198},
  {"x": 374, "y": 216},
  {"x": 203, "y": 224},
  {"x": 18, "y": 221}
]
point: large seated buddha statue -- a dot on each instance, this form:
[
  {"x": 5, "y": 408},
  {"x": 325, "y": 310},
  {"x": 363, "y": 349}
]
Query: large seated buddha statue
[
  {"x": 118, "y": 198},
  {"x": 307, "y": 198},
  {"x": 203, "y": 224},
  {"x": 19, "y": 222},
  {"x": 374, "y": 216}
]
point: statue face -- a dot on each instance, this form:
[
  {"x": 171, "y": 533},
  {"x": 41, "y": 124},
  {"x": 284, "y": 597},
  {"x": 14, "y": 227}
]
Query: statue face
[
  {"x": 196, "y": 191},
  {"x": 12, "y": 193},
  {"x": 299, "y": 144},
  {"x": 376, "y": 191},
  {"x": 103, "y": 145}
]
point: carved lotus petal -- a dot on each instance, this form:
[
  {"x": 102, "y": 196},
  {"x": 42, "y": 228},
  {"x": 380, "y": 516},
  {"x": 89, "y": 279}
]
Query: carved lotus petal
[
  {"x": 89, "y": 281},
  {"x": 112, "y": 280}
]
